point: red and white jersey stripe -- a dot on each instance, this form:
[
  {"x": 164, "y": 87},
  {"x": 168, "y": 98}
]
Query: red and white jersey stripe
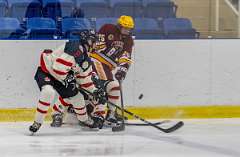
[
  {"x": 57, "y": 63},
  {"x": 84, "y": 79}
]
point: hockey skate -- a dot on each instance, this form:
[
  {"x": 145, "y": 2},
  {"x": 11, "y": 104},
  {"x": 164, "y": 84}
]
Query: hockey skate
[
  {"x": 110, "y": 119},
  {"x": 93, "y": 122},
  {"x": 57, "y": 120},
  {"x": 34, "y": 127}
]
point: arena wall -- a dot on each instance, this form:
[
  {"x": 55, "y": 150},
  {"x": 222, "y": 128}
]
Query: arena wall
[{"x": 168, "y": 73}]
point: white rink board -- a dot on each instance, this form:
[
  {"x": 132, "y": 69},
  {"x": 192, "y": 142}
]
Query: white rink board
[{"x": 167, "y": 72}]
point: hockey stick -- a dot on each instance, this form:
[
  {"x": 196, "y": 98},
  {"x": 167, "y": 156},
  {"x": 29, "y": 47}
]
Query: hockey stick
[
  {"x": 143, "y": 124},
  {"x": 166, "y": 130},
  {"x": 122, "y": 126}
]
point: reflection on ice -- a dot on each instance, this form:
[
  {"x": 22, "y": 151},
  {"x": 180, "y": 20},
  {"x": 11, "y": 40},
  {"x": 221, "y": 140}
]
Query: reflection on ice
[{"x": 198, "y": 138}]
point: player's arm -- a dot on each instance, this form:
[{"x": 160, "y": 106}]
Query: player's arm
[
  {"x": 124, "y": 62},
  {"x": 62, "y": 66},
  {"x": 56, "y": 63},
  {"x": 84, "y": 75}
]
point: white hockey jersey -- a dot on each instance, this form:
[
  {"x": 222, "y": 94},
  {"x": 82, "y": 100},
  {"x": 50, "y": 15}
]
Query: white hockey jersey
[{"x": 58, "y": 63}]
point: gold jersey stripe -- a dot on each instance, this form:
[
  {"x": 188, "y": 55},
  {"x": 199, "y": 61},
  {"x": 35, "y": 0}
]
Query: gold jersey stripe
[
  {"x": 102, "y": 60},
  {"x": 100, "y": 70},
  {"x": 125, "y": 60}
]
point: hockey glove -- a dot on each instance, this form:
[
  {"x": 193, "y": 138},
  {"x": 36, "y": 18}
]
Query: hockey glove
[
  {"x": 100, "y": 96},
  {"x": 69, "y": 81},
  {"x": 121, "y": 73}
]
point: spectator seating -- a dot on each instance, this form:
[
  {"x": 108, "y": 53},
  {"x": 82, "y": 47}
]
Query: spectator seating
[
  {"x": 94, "y": 8},
  {"x": 126, "y": 7},
  {"x": 57, "y": 9},
  {"x": 147, "y": 28},
  {"x": 21, "y": 9},
  {"x": 71, "y": 27},
  {"x": 41, "y": 28},
  {"x": 10, "y": 28},
  {"x": 77, "y": 13},
  {"x": 179, "y": 28},
  {"x": 3, "y": 8},
  {"x": 45, "y": 19},
  {"x": 159, "y": 9},
  {"x": 101, "y": 21}
]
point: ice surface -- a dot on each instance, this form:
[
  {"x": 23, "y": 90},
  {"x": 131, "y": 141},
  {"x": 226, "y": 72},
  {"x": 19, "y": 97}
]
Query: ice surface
[{"x": 198, "y": 138}]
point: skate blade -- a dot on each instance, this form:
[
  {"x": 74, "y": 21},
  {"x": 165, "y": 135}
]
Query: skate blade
[
  {"x": 89, "y": 129},
  {"x": 107, "y": 124},
  {"x": 31, "y": 133}
]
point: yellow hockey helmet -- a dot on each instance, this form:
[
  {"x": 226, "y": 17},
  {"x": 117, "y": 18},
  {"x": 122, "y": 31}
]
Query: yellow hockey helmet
[{"x": 126, "y": 21}]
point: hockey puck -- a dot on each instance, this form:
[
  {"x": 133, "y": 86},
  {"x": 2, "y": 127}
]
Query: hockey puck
[{"x": 140, "y": 96}]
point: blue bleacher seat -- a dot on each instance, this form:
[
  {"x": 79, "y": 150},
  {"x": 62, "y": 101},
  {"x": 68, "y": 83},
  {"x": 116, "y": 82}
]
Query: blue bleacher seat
[
  {"x": 126, "y": 7},
  {"x": 77, "y": 13},
  {"x": 94, "y": 8},
  {"x": 159, "y": 9},
  {"x": 147, "y": 28},
  {"x": 41, "y": 28},
  {"x": 10, "y": 28},
  {"x": 21, "y": 9},
  {"x": 57, "y": 9},
  {"x": 72, "y": 26},
  {"x": 101, "y": 21},
  {"x": 179, "y": 28},
  {"x": 3, "y": 8}
]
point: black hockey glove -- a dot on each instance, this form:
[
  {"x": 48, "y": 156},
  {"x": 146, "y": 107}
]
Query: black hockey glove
[
  {"x": 69, "y": 81},
  {"x": 100, "y": 96},
  {"x": 96, "y": 80},
  {"x": 121, "y": 73}
]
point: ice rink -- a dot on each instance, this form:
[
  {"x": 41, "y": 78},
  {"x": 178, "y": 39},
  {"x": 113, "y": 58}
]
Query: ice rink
[{"x": 198, "y": 138}]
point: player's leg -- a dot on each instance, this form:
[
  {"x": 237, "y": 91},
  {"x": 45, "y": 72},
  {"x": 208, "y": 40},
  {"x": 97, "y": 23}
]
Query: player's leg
[
  {"x": 59, "y": 108},
  {"x": 92, "y": 107},
  {"x": 96, "y": 109},
  {"x": 113, "y": 94},
  {"x": 105, "y": 76},
  {"x": 47, "y": 95},
  {"x": 74, "y": 97}
]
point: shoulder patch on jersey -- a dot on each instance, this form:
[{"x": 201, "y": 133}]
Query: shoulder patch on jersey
[
  {"x": 110, "y": 37},
  {"x": 85, "y": 65}
]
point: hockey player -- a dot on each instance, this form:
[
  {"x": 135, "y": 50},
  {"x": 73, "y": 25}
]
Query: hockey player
[
  {"x": 56, "y": 75},
  {"x": 113, "y": 53}
]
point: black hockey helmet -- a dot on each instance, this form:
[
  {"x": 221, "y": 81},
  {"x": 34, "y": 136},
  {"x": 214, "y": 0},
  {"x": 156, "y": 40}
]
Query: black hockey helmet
[{"x": 88, "y": 37}]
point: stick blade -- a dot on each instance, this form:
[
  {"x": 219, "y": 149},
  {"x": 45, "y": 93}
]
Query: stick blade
[{"x": 174, "y": 128}]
